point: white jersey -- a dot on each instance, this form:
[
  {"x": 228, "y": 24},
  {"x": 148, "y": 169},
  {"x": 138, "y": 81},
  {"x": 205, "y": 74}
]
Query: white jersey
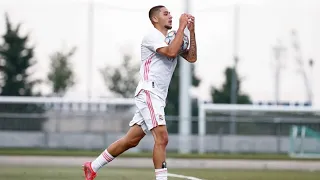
[{"x": 156, "y": 70}]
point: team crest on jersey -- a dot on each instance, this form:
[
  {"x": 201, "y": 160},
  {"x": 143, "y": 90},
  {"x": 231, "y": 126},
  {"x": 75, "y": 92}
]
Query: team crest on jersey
[{"x": 161, "y": 118}]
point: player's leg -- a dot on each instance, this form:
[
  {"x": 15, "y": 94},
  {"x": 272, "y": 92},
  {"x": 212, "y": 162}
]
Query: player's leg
[
  {"x": 153, "y": 114},
  {"x": 130, "y": 140},
  {"x": 160, "y": 135}
]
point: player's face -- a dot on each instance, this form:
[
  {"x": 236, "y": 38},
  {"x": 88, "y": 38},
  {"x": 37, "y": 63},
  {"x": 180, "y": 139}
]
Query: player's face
[{"x": 165, "y": 18}]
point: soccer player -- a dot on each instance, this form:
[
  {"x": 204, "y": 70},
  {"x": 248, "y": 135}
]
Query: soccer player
[{"x": 158, "y": 62}]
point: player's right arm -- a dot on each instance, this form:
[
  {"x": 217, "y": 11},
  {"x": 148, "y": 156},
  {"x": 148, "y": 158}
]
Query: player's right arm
[{"x": 172, "y": 50}]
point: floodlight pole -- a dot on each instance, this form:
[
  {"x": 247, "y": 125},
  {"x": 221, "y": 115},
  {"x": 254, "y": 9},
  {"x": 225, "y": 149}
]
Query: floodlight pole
[
  {"x": 90, "y": 47},
  {"x": 234, "y": 83},
  {"x": 185, "y": 100}
]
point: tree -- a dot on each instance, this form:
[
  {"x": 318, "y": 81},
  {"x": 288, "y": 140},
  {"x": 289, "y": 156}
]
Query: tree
[
  {"x": 222, "y": 96},
  {"x": 16, "y": 61},
  {"x": 122, "y": 80},
  {"x": 172, "y": 106},
  {"x": 61, "y": 75}
]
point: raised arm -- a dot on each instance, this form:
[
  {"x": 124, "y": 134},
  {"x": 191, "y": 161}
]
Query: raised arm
[
  {"x": 172, "y": 50},
  {"x": 191, "y": 54}
]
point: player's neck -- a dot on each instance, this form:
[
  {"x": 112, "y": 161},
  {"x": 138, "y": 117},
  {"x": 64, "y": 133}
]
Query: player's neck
[{"x": 163, "y": 30}]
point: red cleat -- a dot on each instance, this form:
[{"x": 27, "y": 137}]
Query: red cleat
[{"x": 88, "y": 171}]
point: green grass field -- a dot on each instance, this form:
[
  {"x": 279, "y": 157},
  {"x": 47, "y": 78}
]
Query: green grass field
[
  {"x": 72, "y": 173},
  {"x": 73, "y": 152},
  {"x": 35, "y": 172}
]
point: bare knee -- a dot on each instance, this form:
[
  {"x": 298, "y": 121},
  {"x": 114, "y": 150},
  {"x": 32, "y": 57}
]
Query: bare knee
[
  {"x": 163, "y": 140},
  {"x": 161, "y": 136}
]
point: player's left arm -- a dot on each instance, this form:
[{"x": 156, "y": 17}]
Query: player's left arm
[{"x": 191, "y": 54}]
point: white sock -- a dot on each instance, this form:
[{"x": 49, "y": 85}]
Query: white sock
[
  {"x": 161, "y": 174},
  {"x": 102, "y": 160}
]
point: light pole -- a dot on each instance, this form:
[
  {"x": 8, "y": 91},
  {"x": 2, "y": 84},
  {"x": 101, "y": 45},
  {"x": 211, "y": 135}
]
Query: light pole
[
  {"x": 90, "y": 46},
  {"x": 185, "y": 99},
  {"x": 311, "y": 65},
  {"x": 234, "y": 87},
  {"x": 234, "y": 83},
  {"x": 301, "y": 69},
  {"x": 278, "y": 49}
]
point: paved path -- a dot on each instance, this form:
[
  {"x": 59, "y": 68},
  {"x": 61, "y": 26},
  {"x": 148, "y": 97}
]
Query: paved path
[{"x": 172, "y": 163}]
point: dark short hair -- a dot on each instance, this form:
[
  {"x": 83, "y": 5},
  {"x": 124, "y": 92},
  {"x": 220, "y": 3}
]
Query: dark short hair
[{"x": 153, "y": 10}]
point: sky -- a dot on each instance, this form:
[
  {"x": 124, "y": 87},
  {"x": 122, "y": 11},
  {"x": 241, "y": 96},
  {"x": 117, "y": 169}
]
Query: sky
[{"x": 120, "y": 25}]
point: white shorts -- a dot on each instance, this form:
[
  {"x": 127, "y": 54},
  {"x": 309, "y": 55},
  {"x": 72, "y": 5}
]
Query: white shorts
[{"x": 150, "y": 111}]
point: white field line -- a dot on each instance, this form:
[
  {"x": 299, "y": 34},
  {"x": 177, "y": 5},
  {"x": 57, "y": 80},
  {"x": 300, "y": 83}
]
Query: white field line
[{"x": 183, "y": 177}]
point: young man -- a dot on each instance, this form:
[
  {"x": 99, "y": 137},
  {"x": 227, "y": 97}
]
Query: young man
[{"x": 158, "y": 63}]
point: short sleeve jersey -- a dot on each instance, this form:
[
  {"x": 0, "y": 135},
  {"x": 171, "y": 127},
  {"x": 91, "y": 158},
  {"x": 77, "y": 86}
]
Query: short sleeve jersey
[{"x": 156, "y": 70}]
